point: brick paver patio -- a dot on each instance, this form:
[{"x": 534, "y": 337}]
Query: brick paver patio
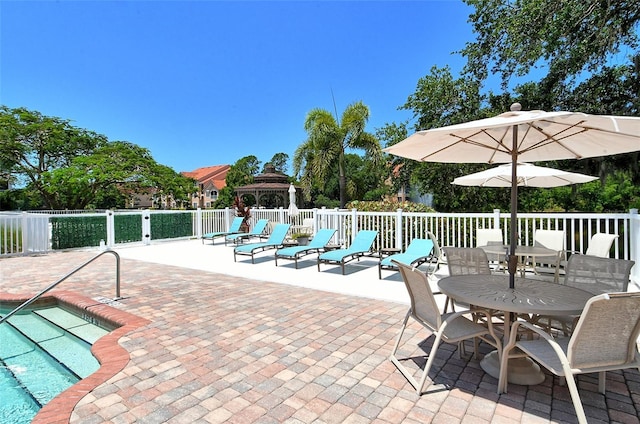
[{"x": 222, "y": 348}]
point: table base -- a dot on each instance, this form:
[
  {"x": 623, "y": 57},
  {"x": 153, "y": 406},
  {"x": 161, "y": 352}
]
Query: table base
[{"x": 521, "y": 371}]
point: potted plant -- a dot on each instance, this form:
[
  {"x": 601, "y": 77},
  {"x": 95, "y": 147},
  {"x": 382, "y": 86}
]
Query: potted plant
[
  {"x": 244, "y": 212},
  {"x": 301, "y": 238}
]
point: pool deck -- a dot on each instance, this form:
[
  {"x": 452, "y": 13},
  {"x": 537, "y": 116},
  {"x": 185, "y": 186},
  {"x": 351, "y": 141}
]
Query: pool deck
[{"x": 238, "y": 342}]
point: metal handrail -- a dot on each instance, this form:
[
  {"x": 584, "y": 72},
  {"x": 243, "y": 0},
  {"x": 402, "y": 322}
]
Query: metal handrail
[{"x": 37, "y": 296}]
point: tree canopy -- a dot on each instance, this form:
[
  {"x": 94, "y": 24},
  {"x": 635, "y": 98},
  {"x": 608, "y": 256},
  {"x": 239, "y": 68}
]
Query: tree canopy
[{"x": 72, "y": 168}]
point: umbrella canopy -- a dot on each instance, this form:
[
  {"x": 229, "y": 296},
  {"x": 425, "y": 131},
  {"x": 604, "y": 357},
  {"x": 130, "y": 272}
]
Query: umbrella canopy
[
  {"x": 528, "y": 176},
  {"x": 293, "y": 209},
  {"x": 523, "y": 136}
]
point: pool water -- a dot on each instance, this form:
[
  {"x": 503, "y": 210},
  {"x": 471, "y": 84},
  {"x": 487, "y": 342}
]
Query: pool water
[{"x": 42, "y": 353}]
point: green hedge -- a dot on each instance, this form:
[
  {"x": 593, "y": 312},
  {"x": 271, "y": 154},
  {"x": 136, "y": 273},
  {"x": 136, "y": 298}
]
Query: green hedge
[
  {"x": 128, "y": 228},
  {"x": 77, "y": 231},
  {"x": 171, "y": 225}
]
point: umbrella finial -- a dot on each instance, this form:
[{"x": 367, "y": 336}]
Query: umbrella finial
[{"x": 516, "y": 107}]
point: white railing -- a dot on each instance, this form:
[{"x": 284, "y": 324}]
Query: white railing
[{"x": 23, "y": 233}]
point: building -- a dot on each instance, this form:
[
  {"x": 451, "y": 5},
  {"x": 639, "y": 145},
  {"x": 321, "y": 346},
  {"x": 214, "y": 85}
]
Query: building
[{"x": 209, "y": 181}]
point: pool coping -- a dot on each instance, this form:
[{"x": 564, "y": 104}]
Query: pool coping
[{"x": 111, "y": 356}]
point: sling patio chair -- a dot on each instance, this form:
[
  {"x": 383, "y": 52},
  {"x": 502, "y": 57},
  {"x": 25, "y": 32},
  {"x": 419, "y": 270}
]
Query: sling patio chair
[
  {"x": 604, "y": 340},
  {"x": 594, "y": 274},
  {"x": 274, "y": 241},
  {"x": 491, "y": 236},
  {"x": 317, "y": 244},
  {"x": 360, "y": 246},
  {"x": 554, "y": 240},
  {"x": 452, "y": 327},
  {"x": 599, "y": 245},
  {"x": 437, "y": 253},
  {"x": 418, "y": 252},
  {"x": 256, "y": 231},
  {"x": 234, "y": 228}
]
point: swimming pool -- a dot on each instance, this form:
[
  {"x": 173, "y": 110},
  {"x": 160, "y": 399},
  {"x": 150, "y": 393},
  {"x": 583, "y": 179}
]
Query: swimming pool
[{"x": 44, "y": 351}]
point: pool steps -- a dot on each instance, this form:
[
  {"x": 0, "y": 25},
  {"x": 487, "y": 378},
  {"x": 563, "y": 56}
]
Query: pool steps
[{"x": 66, "y": 337}]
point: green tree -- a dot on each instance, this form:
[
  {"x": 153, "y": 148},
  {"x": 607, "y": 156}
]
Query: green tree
[
  {"x": 279, "y": 162},
  {"x": 328, "y": 139},
  {"x": 115, "y": 168},
  {"x": 566, "y": 37},
  {"x": 65, "y": 167},
  {"x": 241, "y": 173}
]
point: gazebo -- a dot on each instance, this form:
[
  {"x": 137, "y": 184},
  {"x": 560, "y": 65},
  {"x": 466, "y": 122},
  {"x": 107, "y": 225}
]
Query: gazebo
[{"x": 269, "y": 189}]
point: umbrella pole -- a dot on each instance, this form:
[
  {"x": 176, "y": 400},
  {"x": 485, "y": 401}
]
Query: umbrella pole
[{"x": 513, "y": 259}]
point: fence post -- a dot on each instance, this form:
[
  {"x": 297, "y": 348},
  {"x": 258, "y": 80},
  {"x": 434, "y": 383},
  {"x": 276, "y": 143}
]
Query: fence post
[
  {"x": 111, "y": 237},
  {"x": 199, "y": 219},
  {"x": 146, "y": 227},
  {"x": 354, "y": 224},
  {"x": 496, "y": 218},
  {"x": 634, "y": 244},
  {"x": 399, "y": 234}
]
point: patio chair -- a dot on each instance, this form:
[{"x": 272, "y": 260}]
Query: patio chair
[
  {"x": 234, "y": 228},
  {"x": 418, "y": 252},
  {"x": 489, "y": 236},
  {"x": 465, "y": 261},
  {"x": 437, "y": 253},
  {"x": 604, "y": 340},
  {"x": 593, "y": 274},
  {"x": 599, "y": 245},
  {"x": 447, "y": 327},
  {"x": 274, "y": 241},
  {"x": 360, "y": 246},
  {"x": 317, "y": 244},
  {"x": 256, "y": 231},
  {"x": 554, "y": 240}
]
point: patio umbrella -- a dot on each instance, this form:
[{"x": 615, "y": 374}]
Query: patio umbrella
[
  {"x": 528, "y": 176},
  {"x": 293, "y": 209},
  {"x": 523, "y": 136}
]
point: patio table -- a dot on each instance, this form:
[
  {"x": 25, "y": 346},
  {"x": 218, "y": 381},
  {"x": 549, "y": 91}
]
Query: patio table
[
  {"x": 522, "y": 252},
  {"x": 528, "y": 297}
]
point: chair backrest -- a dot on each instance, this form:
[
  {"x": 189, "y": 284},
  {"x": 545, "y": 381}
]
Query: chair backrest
[
  {"x": 423, "y": 302},
  {"x": 600, "y": 244},
  {"x": 551, "y": 239},
  {"x": 278, "y": 234},
  {"x": 437, "y": 251},
  {"x": 258, "y": 227},
  {"x": 236, "y": 224},
  {"x": 420, "y": 247},
  {"x": 606, "y": 332},
  {"x": 487, "y": 236},
  {"x": 363, "y": 240},
  {"x": 322, "y": 238},
  {"x": 597, "y": 275},
  {"x": 466, "y": 260}
]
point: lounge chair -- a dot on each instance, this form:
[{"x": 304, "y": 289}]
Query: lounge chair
[
  {"x": 234, "y": 228},
  {"x": 256, "y": 231},
  {"x": 604, "y": 340},
  {"x": 450, "y": 328},
  {"x": 360, "y": 246},
  {"x": 418, "y": 252},
  {"x": 274, "y": 241},
  {"x": 491, "y": 236},
  {"x": 318, "y": 243}
]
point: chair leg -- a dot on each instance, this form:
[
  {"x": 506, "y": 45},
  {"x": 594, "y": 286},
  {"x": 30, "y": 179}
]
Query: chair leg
[
  {"x": 432, "y": 355},
  {"x": 575, "y": 398},
  {"x": 602, "y": 379}
]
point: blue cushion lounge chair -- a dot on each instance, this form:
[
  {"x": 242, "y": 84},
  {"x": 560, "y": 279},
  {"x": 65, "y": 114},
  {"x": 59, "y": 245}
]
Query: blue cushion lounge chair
[
  {"x": 318, "y": 243},
  {"x": 256, "y": 231},
  {"x": 418, "y": 252},
  {"x": 274, "y": 241},
  {"x": 234, "y": 228},
  {"x": 360, "y": 246}
]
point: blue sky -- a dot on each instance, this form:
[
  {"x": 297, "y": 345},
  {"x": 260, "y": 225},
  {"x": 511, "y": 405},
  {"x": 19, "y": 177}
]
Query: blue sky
[{"x": 202, "y": 83}]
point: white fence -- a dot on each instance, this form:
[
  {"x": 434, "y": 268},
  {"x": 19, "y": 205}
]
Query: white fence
[{"x": 25, "y": 233}]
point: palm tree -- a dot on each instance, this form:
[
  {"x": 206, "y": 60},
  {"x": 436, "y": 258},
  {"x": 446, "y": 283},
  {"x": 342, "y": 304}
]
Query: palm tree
[{"x": 326, "y": 144}]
